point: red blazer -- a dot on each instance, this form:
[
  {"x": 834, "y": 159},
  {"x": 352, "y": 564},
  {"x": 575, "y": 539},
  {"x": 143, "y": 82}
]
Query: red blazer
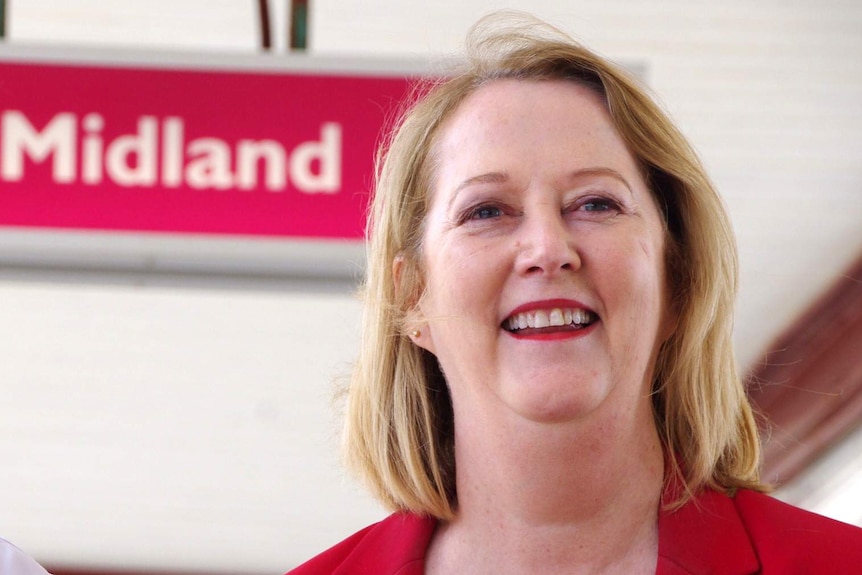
[{"x": 714, "y": 534}]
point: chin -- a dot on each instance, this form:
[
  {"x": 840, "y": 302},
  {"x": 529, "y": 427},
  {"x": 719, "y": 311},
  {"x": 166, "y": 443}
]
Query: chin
[
  {"x": 558, "y": 410},
  {"x": 553, "y": 395}
]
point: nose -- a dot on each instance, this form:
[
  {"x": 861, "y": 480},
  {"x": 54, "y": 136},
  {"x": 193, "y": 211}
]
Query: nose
[{"x": 546, "y": 245}]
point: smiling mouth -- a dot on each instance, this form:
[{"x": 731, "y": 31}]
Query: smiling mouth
[{"x": 550, "y": 320}]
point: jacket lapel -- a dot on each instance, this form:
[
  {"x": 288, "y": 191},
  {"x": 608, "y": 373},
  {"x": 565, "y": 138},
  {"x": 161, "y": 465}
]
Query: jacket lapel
[
  {"x": 705, "y": 537},
  {"x": 395, "y": 546}
]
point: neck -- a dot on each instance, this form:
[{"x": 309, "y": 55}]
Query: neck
[{"x": 542, "y": 497}]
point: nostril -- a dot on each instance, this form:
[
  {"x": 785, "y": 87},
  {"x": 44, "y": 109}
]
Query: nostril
[{"x": 566, "y": 266}]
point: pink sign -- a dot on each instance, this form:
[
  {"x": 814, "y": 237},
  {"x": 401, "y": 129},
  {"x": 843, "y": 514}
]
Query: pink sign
[{"x": 271, "y": 153}]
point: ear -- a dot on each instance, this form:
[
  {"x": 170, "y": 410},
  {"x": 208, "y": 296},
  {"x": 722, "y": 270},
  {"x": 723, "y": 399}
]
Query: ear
[
  {"x": 404, "y": 276},
  {"x": 397, "y": 267}
]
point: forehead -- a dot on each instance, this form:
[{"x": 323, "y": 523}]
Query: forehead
[{"x": 547, "y": 121}]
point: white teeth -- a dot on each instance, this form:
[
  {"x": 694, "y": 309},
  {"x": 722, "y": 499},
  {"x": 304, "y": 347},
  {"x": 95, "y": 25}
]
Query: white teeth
[
  {"x": 580, "y": 316},
  {"x": 541, "y": 319},
  {"x": 555, "y": 317}
]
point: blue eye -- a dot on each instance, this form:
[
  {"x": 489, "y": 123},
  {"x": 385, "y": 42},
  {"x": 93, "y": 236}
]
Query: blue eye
[
  {"x": 485, "y": 212},
  {"x": 597, "y": 206}
]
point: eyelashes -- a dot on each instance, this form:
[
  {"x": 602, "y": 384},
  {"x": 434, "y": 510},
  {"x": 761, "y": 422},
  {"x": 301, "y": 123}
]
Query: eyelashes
[
  {"x": 587, "y": 207},
  {"x": 600, "y": 204},
  {"x": 485, "y": 211}
]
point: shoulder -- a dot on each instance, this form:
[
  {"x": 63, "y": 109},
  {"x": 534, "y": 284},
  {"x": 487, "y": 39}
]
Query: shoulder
[
  {"x": 395, "y": 545},
  {"x": 787, "y": 538},
  {"x": 329, "y": 560}
]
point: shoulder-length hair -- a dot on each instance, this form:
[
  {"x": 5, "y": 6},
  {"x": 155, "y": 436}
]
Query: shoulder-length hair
[{"x": 398, "y": 433}]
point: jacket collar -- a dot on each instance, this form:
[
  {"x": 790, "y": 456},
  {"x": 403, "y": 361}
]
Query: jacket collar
[
  {"x": 395, "y": 546},
  {"x": 706, "y": 535}
]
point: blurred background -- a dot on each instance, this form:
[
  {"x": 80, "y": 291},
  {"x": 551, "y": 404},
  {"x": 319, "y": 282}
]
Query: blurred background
[{"x": 167, "y": 387}]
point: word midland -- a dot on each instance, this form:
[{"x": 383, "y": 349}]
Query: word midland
[{"x": 157, "y": 154}]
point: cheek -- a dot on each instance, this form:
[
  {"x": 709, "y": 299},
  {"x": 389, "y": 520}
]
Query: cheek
[
  {"x": 465, "y": 282},
  {"x": 634, "y": 274},
  {"x": 459, "y": 270},
  {"x": 652, "y": 304}
]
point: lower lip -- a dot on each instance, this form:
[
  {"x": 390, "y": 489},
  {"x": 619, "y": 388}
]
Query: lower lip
[{"x": 554, "y": 335}]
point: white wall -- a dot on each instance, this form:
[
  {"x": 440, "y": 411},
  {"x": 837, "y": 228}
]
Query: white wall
[
  {"x": 171, "y": 427},
  {"x": 190, "y": 426}
]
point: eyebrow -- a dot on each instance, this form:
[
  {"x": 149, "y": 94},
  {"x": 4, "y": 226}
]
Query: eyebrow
[
  {"x": 600, "y": 171},
  {"x": 488, "y": 178},
  {"x": 503, "y": 177}
]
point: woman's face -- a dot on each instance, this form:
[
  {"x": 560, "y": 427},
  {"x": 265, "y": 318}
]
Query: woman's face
[{"x": 543, "y": 258}]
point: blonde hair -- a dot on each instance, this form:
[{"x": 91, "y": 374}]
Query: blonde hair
[{"x": 399, "y": 426}]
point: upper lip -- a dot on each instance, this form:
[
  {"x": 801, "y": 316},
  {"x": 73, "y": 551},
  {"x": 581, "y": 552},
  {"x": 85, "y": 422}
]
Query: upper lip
[{"x": 548, "y": 304}]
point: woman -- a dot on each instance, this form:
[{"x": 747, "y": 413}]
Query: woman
[{"x": 546, "y": 382}]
